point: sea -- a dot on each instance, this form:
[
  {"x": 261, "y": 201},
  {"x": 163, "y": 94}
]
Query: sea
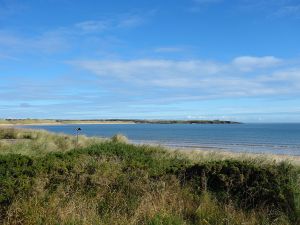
[{"x": 251, "y": 138}]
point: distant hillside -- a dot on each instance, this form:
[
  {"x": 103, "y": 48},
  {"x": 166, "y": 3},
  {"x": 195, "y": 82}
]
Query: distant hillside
[
  {"x": 185, "y": 121},
  {"x": 108, "y": 121}
]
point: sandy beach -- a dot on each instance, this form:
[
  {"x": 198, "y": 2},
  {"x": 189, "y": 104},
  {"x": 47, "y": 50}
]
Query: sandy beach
[
  {"x": 58, "y": 123},
  {"x": 203, "y": 154}
]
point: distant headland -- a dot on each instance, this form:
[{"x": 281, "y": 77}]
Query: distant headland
[{"x": 108, "y": 121}]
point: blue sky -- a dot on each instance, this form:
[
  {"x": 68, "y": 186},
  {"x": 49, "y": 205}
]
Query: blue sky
[{"x": 179, "y": 59}]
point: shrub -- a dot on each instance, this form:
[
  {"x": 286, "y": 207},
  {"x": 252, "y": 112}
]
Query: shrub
[
  {"x": 249, "y": 185},
  {"x": 111, "y": 182},
  {"x": 119, "y": 138},
  {"x": 124, "y": 195},
  {"x": 16, "y": 173},
  {"x": 8, "y": 133}
]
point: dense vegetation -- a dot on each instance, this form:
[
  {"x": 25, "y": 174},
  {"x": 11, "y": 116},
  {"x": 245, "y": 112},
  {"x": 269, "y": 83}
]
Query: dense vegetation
[{"x": 50, "y": 179}]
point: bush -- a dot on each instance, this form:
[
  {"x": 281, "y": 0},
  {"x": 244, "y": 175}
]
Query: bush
[
  {"x": 8, "y": 133},
  {"x": 119, "y": 138},
  {"x": 112, "y": 182},
  {"x": 16, "y": 173},
  {"x": 247, "y": 184},
  {"x": 211, "y": 211}
]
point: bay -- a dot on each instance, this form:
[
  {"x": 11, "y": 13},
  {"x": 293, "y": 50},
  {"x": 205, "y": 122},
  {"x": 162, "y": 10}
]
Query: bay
[{"x": 253, "y": 138}]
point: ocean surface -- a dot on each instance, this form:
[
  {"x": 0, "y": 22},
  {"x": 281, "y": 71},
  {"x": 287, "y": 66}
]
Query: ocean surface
[{"x": 255, "y": 138}]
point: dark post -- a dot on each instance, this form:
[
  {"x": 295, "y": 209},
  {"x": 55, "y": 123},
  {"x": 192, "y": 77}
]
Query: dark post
[{"x": 77, "y": 133}]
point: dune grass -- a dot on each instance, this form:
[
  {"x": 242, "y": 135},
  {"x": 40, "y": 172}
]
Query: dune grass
[
  {"x": 39, "y": 142},
  {"x": 47, "y": 179}
]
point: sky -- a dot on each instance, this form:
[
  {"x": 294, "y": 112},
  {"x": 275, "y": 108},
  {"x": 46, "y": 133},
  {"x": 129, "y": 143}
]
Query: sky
[{"x": 150, "y": 59}]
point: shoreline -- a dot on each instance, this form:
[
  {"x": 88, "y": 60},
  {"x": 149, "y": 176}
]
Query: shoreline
[
  {"x": 202, "y": 153},
  {"x": 194, "y": 153}
]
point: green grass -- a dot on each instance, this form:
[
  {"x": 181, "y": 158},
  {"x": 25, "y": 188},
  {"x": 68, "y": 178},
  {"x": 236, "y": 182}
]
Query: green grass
[{"x": 45, "y": 179}]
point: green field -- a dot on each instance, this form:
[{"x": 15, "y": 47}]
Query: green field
[{"x": 47, "y": 178}]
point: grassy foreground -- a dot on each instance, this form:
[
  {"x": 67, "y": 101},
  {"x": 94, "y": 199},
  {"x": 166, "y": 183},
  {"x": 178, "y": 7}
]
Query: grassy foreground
[{"x": 47, "y": 179}]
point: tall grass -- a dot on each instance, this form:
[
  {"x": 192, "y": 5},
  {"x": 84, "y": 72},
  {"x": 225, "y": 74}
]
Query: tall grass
[
  {"x": 113, "y": 182},
  {"x": 40, "y": 142}
]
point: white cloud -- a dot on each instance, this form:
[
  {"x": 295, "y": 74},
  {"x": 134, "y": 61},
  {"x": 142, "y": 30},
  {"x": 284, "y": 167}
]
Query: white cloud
[
  {"x": 92, "y": 26},
  {"x": 130, "y": 21},
  {"x": 168, "y": 49},
  {"x": 122, "y": 21},
  {"x": 149, "y": 68},
  {"x": 248, "y": 63},
  {"x": 272, "y": 8},
  {"x": 47, "y": 42},
  {"x": 243, "y": 76},
  {"x": 288, "y": 10},
  {"x": 65, "y": 38}
]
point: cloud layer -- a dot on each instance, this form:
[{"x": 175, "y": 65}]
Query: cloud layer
[{"x": 243, "y": 76}]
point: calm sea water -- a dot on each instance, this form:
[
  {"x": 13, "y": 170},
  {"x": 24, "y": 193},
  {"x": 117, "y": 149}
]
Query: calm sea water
[{"x": 257, "y": 138}]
